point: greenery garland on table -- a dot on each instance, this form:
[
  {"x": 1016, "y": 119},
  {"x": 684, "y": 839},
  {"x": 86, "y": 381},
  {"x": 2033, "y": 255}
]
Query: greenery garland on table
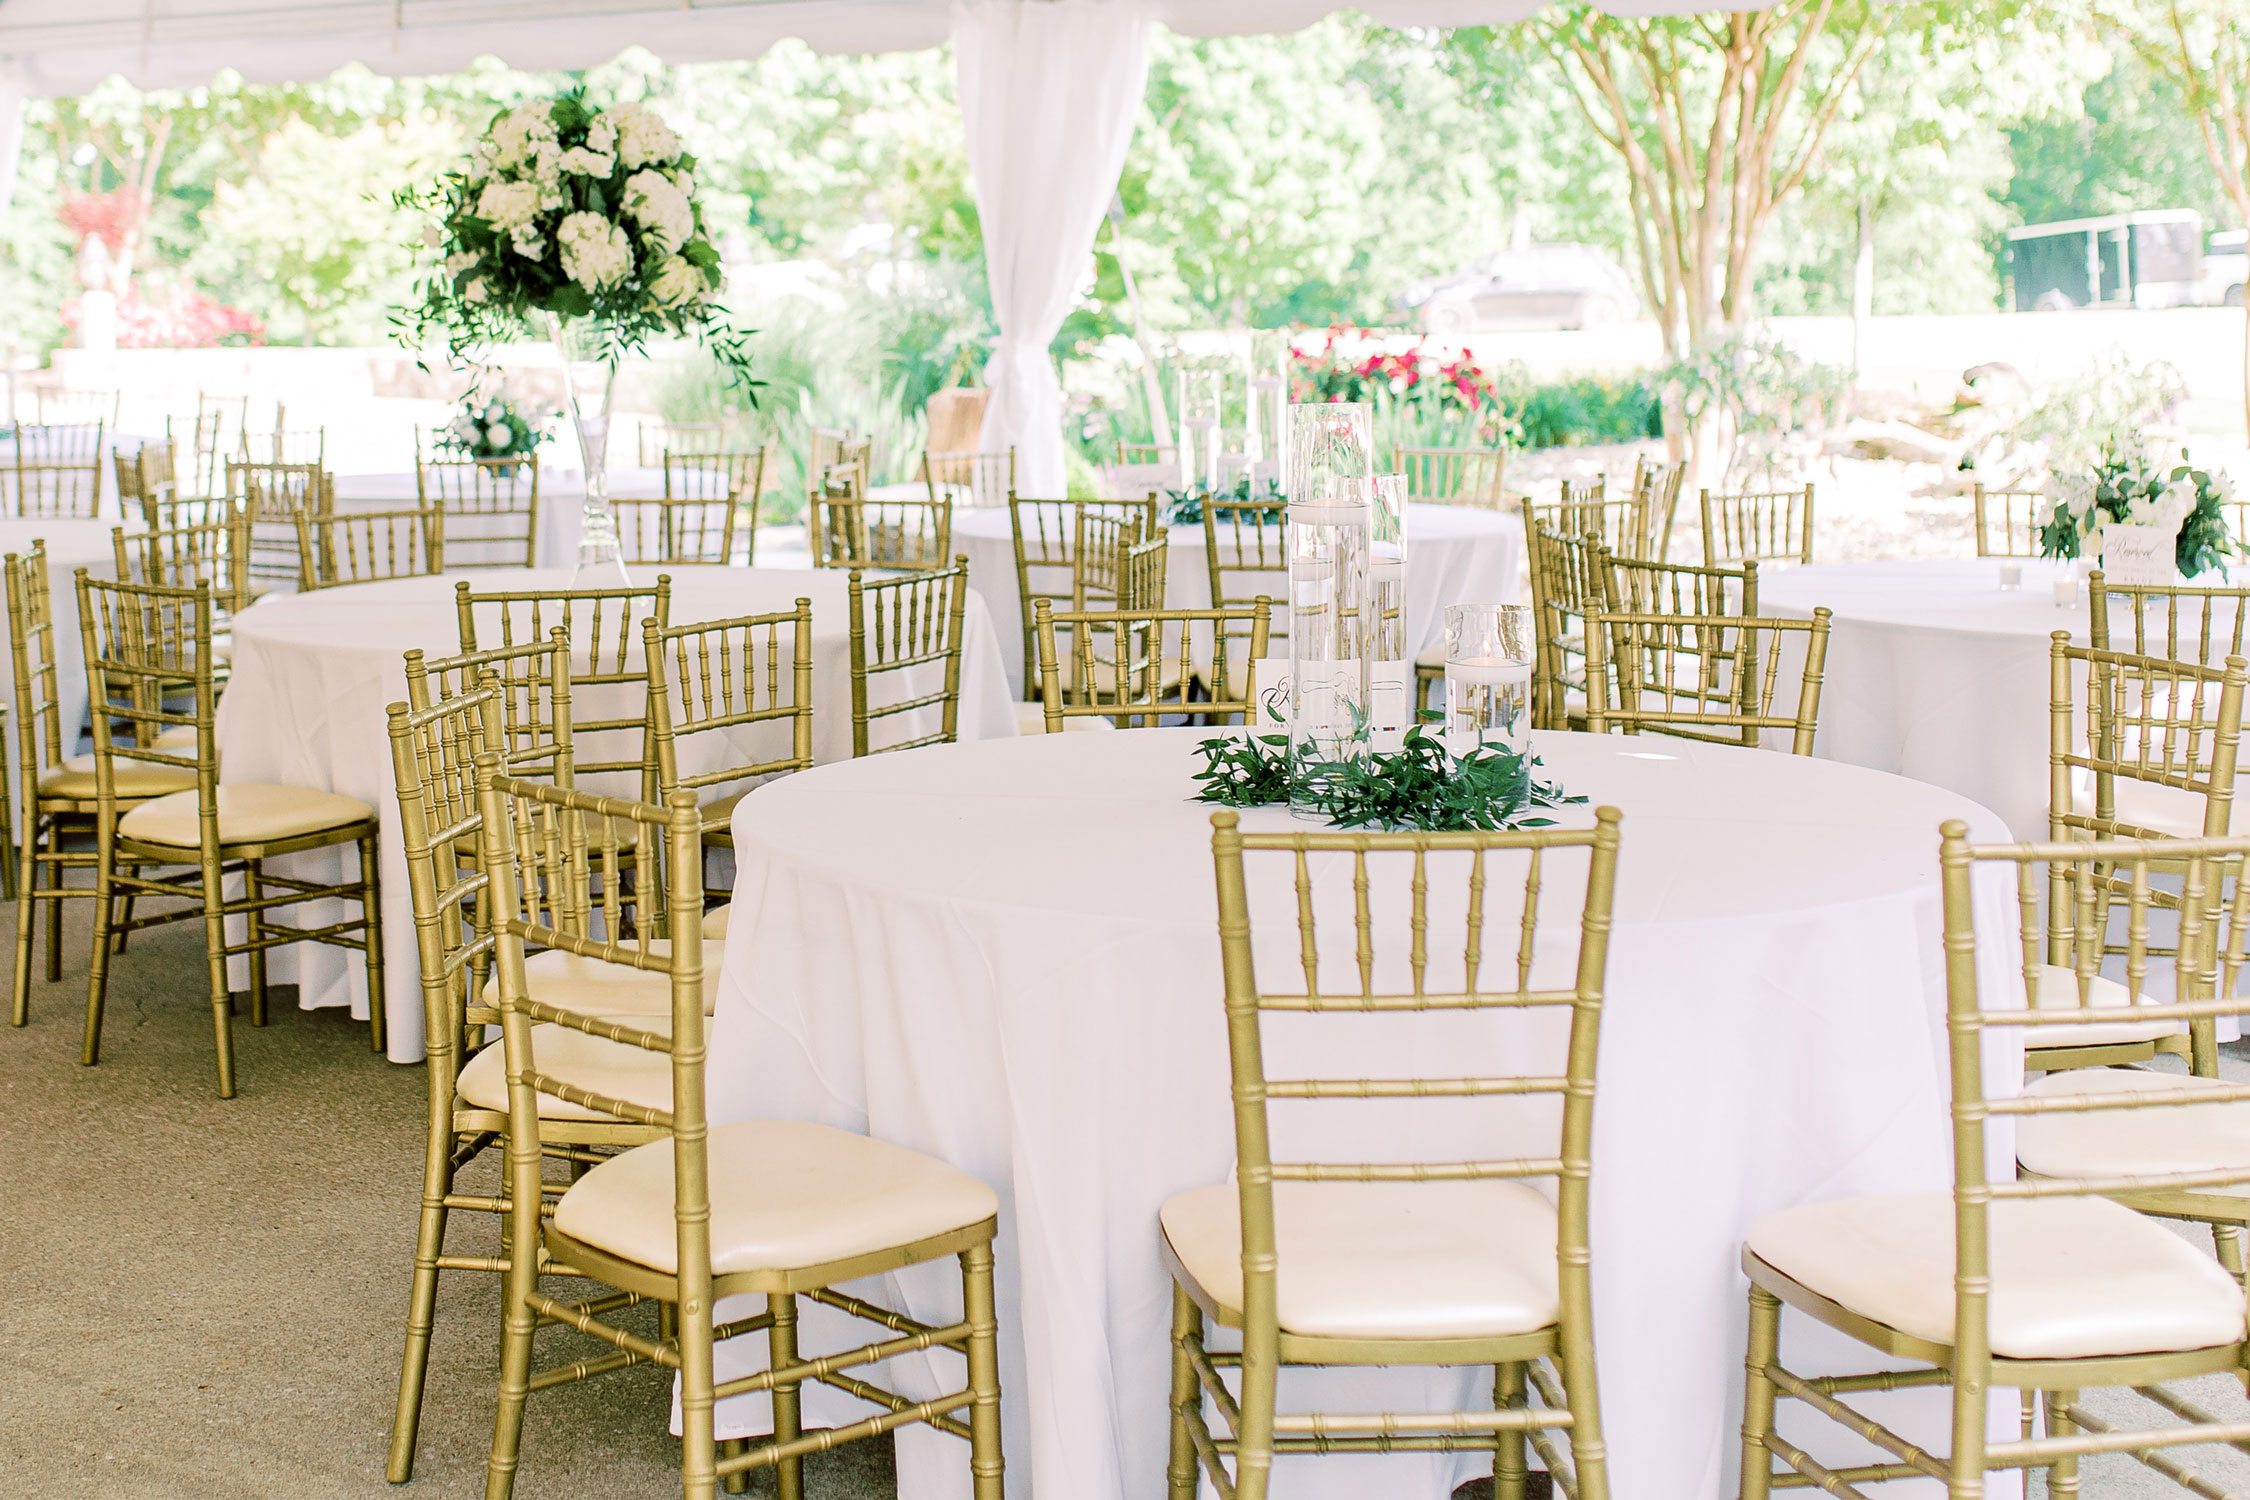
[
  {"x": 1185, "y": 507},
  {"x": 1422, "y": 788},
  {"x": 2127, "y": 487}
]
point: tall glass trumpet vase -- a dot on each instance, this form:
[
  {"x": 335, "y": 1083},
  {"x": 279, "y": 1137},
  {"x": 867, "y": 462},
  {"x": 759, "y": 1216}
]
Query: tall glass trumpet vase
[
  {"x": 589, "y": 383},
  {"x": 1390, "y": 660}
]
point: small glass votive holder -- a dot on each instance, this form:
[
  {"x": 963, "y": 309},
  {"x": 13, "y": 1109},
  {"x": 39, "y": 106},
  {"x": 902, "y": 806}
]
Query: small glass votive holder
[
  {"x": 2011, "y": 577},
  {"x": 1489, "y": 650},
  {"x": 2066, "y": 593}
]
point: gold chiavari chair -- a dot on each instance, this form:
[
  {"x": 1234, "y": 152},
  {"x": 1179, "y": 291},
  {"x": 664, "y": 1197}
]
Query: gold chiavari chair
[
  {"x": 492, "y": 505},
  {"x": 780, "y": 1209},
  {"x": 1638, "y": 586},
  {"x": 1246, "y": 552},
  {"x": 432, "y": 755},
  {"x": 1106, "y": 531},
  {"x": 903, "y": 628},
  {"x": 1133, "y": 667},
  {"x": 662, "y": 530},
  {"x": 1621, "y": 525},
  {"x": 1143, "y": 454},
  {"x": 1658, "y": 486},
  {"x": 220, "y": 423},
  {"x": 824, "y": 447},
  {"x": 140, "y": 640},
  {"x": 970, "y": 479},
  {"x": 658, "y": 440},
  {"x": 2039, "y": 1283},
  {"x": 57, "y": 473},
  {"x": 719, "y": 492},
  {"x": 2141, "y": 747},
  {"x": 1398, "y": 1262},
  {"x": 2007, "y": 522},
  {"x": 60, "y": 792},
  {"x": 2184, "y": 622},
  {"x": 1143, "y": 574},
  {"x": 1452, "y": 476},
  {"x": 1566, "y": 580},
  {"x": 131, "y": 488},
  {"x": 364, "y": 546},
  {"x": 75, "y": 406},
  {"x": 1714, "y": 678},
  {"x": 214, "y": 554},
  {"x": 609, "y": 715},
  {"x": 307, "y": 445},
  {"x": 909, "y": 535},
  {"x": 1767, "y": 527},
  {"x": 271, "y": 494},
  {"x": 727, "y": 679},
  {"x": 1045, "y": 534}
]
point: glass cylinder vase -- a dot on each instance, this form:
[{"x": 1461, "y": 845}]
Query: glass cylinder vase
[
  {"x": 1489, "y": 651},
  {"x": 1329, "y": 477},
  {"x": 1391, "y": 700},
  {"x": 589, "y": 383}
]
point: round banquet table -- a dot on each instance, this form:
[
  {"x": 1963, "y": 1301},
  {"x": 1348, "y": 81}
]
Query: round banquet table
[
  {"x": 1935, "y": 672},
  {"x": 1455, "y": 555},
  {"x": 562, "y": 496},
  {"x": 71, "y": 545},
  {"x": 314, "y": 673},
  {"x": 1006, "y": 955}
]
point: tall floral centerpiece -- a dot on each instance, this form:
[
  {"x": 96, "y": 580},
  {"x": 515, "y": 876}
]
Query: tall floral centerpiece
[
  {"x": 582, "y": 223},
  {"x": 2129, "y": 486}
]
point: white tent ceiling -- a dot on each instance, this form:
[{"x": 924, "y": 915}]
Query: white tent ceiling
[{"x": 68, "y": 46}]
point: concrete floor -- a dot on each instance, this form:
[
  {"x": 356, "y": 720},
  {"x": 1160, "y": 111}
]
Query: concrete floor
[{"x": 208, "y": 1295}]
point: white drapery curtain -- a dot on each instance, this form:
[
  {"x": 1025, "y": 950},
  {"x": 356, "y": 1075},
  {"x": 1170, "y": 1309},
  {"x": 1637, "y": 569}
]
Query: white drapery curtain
[{"x": 1049, "y": 92}]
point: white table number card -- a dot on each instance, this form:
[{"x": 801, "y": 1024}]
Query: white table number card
[{"x": 2139, "y": 555}]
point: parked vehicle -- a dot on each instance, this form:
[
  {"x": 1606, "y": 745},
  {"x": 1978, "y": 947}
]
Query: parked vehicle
[
  {"x": 2152, "y": 259},
  {"x": 2226, "y": 267},
  {"x": 1538, "y": 286}
]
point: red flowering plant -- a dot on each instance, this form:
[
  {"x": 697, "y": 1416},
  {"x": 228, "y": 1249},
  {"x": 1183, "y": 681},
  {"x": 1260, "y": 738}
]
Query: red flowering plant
[
  {"x": 185, "y": 319},
  {"x": 1417, "y": 387}
]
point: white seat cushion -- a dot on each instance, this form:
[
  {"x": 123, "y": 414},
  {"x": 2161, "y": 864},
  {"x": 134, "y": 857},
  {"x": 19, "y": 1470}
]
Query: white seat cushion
[
  {"x": 633, "y": 1074},
  {"x": 784, "y": 1195},
  {"x": 715, "y": 925},
  {"x": 572, "y": 981},
  {"x": 2058, "y": 989},
  {"x": 2072, "y": 1278},
  {"x": 74, "y": 779},
  {"x": 2155, "y": 1139},
  {"x": 249, "y": 813},
  {"x": 1383, "y": 1260},
  {"x": 1432, "y": 655}
]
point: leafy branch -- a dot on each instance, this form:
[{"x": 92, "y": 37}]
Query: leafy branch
[{"x": 1423, "y": 787}]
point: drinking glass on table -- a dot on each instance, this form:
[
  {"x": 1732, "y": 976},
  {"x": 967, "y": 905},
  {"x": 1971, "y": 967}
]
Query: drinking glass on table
[{"x": 1488, "y": 657}]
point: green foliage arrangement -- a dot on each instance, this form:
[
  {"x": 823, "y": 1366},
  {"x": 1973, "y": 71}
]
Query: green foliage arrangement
[
  {"x": 492, "y": 426},
  {"x": 1761, "y": 391},
  {"x": 2127, "y": 487},
  {"x": 1423, "y": 787},
  {"x": 1184, "y": 507},
  {"x": 588, "y": 216}
]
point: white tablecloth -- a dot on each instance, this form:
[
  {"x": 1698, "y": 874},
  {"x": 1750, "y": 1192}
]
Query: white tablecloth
[
  {"x": 562, "y": 498},
  {"x": 1454, "y": 556},
  {"x": 313, "y": 674},
  {"x": 1006, "y": 955},
  {"x": 1937, "y": 673},
  {"x": 71, "y": 545}
]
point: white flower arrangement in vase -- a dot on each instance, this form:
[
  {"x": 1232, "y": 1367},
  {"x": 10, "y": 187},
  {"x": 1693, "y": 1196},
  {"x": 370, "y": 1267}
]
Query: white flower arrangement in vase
[
  {"x": 2133, "y": 487},
  {"x": 586, "y": 221}
]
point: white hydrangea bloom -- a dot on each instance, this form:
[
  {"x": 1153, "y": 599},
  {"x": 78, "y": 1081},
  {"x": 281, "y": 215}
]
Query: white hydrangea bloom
[
  {"x": 508, "y": 205},
  {"x": 660, "y": 208},
  {"x": 595, "y": 252},
  {"x": 601, "y": 134},
  {"x": 474, "y": 291},
  {"x": 528, "y": 242},
  {"x": 498, "y": 435},
  {"x": 643, "y": 138},
  {"x": 677, "y": 282},
  {"x": 432, "y": 236},
  {"x": 461, "y": 261},
  {"x": 584, "y": 162},
  {"x": 515, "y": 133},
  {"x": 2143, "y": 511}
]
